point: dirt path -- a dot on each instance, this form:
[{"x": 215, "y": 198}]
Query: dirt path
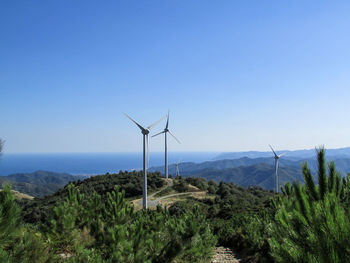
[
  {"x": 138, "y": 202},
  {"x": 152, "y": 202},
  {"x": 224, "y": 255}
]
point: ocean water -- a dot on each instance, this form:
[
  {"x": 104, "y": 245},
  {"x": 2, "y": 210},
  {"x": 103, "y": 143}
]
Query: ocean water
[{"x": 91, "y": 163}]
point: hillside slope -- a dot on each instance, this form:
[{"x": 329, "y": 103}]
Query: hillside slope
[{"x": 39, "y": 183}]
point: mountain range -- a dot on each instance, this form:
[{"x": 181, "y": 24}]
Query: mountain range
[
  {"x": 297, "y": 154},
  {"x": 254, "y": 171}
]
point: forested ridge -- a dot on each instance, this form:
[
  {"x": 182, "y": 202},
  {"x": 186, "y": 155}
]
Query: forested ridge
[
  {"x": 93, "y": 220},
  {"x": 130, "y": 182}
]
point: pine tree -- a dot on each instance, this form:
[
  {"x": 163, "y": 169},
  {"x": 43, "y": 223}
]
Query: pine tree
[
  {"x": 63, "y": 231},
  {"x": 312, "y": 223},
  {"x": 9, "y": 217},
  {"x": 17, "y": 242}
]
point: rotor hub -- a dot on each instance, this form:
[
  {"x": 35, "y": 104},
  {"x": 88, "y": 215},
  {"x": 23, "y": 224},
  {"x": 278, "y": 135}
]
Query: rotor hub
[{"x": 145, "y": 131}]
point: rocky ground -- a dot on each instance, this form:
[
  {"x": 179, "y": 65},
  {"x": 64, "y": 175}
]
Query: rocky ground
[{"x": 224, "y": 255}]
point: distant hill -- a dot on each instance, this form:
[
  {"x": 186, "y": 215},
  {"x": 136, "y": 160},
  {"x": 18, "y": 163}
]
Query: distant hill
[
  {"x": 244, "y": 172},
  {"x": 255, "y": 175},
  {"x": 39, "y": 183},
  {"x": 190, "y": 167},
  {"x": 297, "y": 154},
  {"x": 342, "y": 164},
  {"x": 253, "y": 171}
]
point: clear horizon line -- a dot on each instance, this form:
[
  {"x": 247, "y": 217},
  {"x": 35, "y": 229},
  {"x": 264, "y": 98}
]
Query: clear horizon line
[
  {"x": 126, "y": 152},
  {"x": 186, "y": 151}
]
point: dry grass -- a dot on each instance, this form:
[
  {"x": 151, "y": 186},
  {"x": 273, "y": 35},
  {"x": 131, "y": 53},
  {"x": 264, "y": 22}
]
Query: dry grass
[
  {"x": 137, "y": 203},
  {"x": 171, "y": 200},
  {"x": 192, "y": 188},
  {"x": 20, "y": 196}
]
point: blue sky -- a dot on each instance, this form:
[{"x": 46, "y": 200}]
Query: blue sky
[{"x": 236, "y": 75}]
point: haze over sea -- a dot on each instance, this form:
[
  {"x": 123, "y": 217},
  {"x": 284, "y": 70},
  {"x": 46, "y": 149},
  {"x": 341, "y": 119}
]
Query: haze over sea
[{"x": 90, "y": 163}]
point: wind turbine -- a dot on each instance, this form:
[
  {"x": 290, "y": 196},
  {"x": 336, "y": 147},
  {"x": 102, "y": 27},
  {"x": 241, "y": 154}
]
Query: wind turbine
[
  {"x": 165, "y": 131},
  {"x": 276, "y": 167},
  {"x": 177, "y": 172},
  {"x": 145, "y": 132}
]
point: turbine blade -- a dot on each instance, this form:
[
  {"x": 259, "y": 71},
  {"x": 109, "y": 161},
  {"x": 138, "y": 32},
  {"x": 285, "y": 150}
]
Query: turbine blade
[
  {"x": 167, "y": 122},
  {"x": 158, "y": 134},
  {"x": 154, "y": 124},
  {"x": 281, "y": 155},
  {"x": 174, "y": 137},
  {"x": 273, "y": 151},
  {"x": 134, "y": 121}
]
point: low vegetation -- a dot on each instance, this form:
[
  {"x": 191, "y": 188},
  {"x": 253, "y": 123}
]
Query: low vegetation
[
  {"x": 237, "y": 216},
  {"x": 103, "y": 228}
]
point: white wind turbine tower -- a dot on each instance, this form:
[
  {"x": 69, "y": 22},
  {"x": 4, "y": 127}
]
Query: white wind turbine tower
[
  {"x": 276, "y": 167},
  {"x": 165, "y": 131},
  {"x": 177, "y": 171},
  {"x": 145, "y": 132}
]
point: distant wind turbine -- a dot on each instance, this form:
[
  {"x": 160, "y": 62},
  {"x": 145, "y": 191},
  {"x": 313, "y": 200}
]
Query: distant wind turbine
[
  {"x": 165, "y": 131},
  {"x": 145, "y": 132},
  {"x": 177, "y": 171},
  {"x": 276, "y": 167}
]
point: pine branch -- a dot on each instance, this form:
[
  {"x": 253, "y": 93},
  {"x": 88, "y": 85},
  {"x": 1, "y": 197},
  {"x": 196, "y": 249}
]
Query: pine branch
[
  {"x": 309, "y": 182},
  {"x": 322, "y": 175}
]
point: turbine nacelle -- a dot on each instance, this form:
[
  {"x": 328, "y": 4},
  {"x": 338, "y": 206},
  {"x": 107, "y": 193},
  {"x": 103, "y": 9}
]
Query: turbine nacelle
[
  {"x": 145, "y": 131},
  {"x": 279, "y": 156},
  {"x": 166, "y": 130},
  {"x": 276, "y": 155}
]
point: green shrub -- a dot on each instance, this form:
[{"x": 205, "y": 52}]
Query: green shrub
[
  {"x": 312, "y": 223},
  {"x": 18, "y": 243}
]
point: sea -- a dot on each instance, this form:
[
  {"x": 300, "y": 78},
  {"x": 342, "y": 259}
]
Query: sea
[{"x": 91, "y": 163}]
